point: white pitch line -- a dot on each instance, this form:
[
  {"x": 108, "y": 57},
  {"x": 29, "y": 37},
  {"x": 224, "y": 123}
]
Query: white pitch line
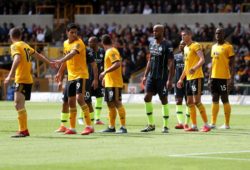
[
  {"x": 217, "y": 158},
  {"x": 207, "y": 153}
]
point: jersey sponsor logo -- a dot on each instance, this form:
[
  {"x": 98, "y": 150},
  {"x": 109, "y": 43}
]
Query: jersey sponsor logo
[
  {"x": 77, "y": 46},
  {"x": 113, "y": 56}
]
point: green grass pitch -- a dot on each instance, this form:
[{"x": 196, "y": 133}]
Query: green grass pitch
[{"x": 178, "y": 150}]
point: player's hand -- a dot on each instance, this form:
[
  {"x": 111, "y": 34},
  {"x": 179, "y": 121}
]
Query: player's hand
[
  {"x": 191, "y": 71},
  {"x": 180, "y": 84},
  {"x": 169, "y": 85},
  {"x": 7, "y": 80},
  {"x": 95, "y": 84},
  {"x": 59, "y": 86},
  {"x": 101, "y": 76},
  {"x": 57, "y": 63},
  {"x": 53, "y": 64},
  {"x": 144, "y": 80},
  {"x": 58, "y": 77}
]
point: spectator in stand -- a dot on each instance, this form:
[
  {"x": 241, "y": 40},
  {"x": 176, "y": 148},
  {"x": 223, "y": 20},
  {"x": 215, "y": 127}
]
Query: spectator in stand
[{"x": 147, "y": 9}]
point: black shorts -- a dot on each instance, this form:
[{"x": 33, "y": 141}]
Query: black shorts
[
  {"x": 75, "y": 87},
  {"x": 219, "y": 86},
  {"x": 25, "y": 89},
  {"x": 87, "y": 96},
  {"x": 180, "y": 92},
  {"x": 194, "y": 87},
  {"x": 113, "y": 94},
  {"x": 156, "y": 86},
  {"x": 65, "y": 94},
  {"x": 99, "y": 92}
]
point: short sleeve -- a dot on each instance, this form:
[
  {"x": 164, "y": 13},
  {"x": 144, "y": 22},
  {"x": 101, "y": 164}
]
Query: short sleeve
[
  {"x": 14, "y": 50},
  {"x": 114, "y": 56},
  {"x": 78, "y": 47},
  {"x": 197, "y": 47},
  {"x": 230, "y": 51}
]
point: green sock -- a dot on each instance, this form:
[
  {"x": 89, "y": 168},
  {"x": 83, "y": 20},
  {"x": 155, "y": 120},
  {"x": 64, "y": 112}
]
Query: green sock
[
  {"x": 98, "y": 107},
  {"x": 149, "y": 111},
  {"x": 165, "y": 114},
  {"x": 64, "y": 118},
  {"x": 187, "y": 120},
  {"x": 92, "y": 116},
  {"x": 179, "y": 114}
]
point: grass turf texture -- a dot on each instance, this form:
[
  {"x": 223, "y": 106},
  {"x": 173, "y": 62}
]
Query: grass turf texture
[{"x": 178, "y": 150}]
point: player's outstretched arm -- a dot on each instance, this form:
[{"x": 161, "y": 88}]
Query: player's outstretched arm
[
  {"x": 44, "y": 59},
  {"x": 115, "y": 65},
  {"x": 16, "y": 61}
]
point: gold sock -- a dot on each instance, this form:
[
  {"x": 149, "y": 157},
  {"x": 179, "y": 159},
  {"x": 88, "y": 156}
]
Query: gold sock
[
  {"x": 193, "y": 114},
  {"x": 202, "y": 111},
  {"x": 72, "y": 117},
  {"x": 215, "y": 111},
  {"x": 122, "y": 115},
  {"x": 227, "y": 112},
  {"x": 22, "y": 119},
  {"x": 112, "y": 116},
  {"x": 85, "y": 110}
]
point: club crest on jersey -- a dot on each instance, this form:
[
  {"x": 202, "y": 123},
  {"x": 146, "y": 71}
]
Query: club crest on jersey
[
  {"x": 113, "y": 56},
  {"x": 160, "y": 48},
  {"x": 101, "y": 55}
]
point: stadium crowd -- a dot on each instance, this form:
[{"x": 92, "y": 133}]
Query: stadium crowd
[
  {"x": 130, "y": 7},
  {"x": 133, "y": 41}
]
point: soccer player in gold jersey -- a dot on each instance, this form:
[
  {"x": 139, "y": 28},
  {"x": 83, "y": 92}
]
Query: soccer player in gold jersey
[
  {"x": 194, "y": 59},
  {"x": 221, "y": 77},
  {"x": 75, "y": 58},
  {"x": 113, "y": 83},
  {"x": 22, "y": 55}
]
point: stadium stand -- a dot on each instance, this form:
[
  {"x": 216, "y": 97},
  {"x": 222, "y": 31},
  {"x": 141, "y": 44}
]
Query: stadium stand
[{"x": 131, "y": 39}]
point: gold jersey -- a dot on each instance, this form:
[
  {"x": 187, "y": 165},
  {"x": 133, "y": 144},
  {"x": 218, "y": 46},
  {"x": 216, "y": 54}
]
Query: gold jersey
[
  {"x": 77, "y": 65},
  {"x": 23, "y": 70},
  {"x": 220, "y": 60},
  {"x": 114, "y": 78},
  {"x": 191, "y": 59}
]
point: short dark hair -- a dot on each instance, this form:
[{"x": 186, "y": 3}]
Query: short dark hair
[
  {"x": 188, "y": 31},
  {"x": 72, "y": 26},
  {"x": 106, "y": 39},
  {"x": 15, "y": 33}
]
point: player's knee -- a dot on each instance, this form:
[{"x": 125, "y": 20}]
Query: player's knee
[
  {"x": 118, "y": 104},
  {"x": 197, "y": 103},
  {"x": 190, "y": 102},
  {"x": 178, "y": 101},
  {"x": 164, "y": 100},
  {"x": 111, "y": 104},
  {"x": 147, "y": 98},
  {"x": 224, "y": 98}
]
